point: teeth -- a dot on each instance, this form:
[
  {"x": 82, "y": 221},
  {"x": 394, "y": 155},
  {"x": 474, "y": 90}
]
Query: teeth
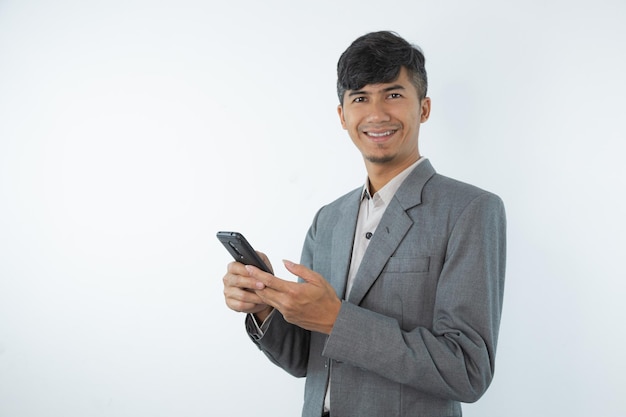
[{"x": 380, "y": 135}]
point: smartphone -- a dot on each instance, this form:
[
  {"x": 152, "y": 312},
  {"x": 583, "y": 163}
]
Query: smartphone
[{"x": 237, "y": 245}]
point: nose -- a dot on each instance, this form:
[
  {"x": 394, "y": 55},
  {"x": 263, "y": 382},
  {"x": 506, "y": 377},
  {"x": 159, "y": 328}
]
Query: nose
[{"x": 377, "y": 112}]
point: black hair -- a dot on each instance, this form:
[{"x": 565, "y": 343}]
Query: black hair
[{"x": 378, "y": 57}]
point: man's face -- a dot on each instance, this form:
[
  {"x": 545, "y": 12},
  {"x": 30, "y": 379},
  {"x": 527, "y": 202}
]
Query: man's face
[{"x": 383, "y": 121}]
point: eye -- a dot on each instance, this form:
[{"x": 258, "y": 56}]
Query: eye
[
  {"x": 395, "y": 95},
  {"x": 359, "y": 99}
]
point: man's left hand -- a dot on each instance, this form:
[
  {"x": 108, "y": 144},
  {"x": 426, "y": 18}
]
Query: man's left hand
[{"x": 312, "y": 304}]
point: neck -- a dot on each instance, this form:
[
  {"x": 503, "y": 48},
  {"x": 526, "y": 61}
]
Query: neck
[{"x": 379, "y": 174}]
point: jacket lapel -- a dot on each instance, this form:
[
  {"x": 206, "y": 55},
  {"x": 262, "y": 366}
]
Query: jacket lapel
[
  {"x": 392, "y": 228},
  {"x": 343, "y": 237}
]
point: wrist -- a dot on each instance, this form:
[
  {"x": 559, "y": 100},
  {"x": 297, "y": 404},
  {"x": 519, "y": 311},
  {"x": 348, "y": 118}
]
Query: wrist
[{"x": 262, "y": 315}]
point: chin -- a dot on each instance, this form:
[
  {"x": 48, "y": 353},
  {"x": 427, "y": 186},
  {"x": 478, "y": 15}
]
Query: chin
[{"x": 379, "y": 159}]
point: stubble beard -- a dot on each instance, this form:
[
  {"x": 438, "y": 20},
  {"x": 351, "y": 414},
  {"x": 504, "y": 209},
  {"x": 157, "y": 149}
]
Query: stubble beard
[{"x": 379, "y": 159}]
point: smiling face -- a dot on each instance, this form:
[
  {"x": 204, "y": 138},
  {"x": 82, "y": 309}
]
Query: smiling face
[{"x": 383, "y": 121}]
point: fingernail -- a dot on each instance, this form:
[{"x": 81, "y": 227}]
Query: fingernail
[{"x": 287, "y": 263}]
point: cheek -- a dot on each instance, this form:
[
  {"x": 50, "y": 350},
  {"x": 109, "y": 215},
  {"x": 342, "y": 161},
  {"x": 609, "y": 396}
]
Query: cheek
[
  {"x": 415, "y": 121},
  {"x": 349, "y": 125}
]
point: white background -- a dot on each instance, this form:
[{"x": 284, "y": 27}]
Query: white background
[{"x": 132, "y": 131}]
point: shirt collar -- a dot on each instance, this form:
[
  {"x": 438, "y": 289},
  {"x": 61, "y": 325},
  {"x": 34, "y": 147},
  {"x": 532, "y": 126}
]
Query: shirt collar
[{"x": 390, "y": 189}]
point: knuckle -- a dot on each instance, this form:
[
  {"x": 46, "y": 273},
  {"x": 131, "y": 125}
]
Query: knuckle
[
  {"x": 230, "y": 280},
  {"x": 294, "y": 292}
]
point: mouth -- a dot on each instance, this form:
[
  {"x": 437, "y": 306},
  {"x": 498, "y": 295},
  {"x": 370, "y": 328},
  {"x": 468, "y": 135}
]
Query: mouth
[{"x": 379, "y": 136}]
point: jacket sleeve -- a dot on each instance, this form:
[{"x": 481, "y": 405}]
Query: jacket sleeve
[{"x": 285, "y": 344}]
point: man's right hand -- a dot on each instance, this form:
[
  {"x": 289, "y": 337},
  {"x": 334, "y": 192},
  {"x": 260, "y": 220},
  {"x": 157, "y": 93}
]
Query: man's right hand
[{"x": 239, "y": 290}]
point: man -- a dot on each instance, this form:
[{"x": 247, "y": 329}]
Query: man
[{"x": 397, "y": 308}]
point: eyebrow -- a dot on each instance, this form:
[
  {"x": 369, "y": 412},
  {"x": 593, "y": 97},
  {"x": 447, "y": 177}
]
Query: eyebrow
[{"x": 384, "y": 90}]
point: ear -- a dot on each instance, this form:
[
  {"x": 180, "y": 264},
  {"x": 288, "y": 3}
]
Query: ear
[
  {"x": 341, "y": 116},
  {"x": 425, "y": 109}
]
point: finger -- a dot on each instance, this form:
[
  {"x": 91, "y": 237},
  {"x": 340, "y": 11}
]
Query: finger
[
  {"x": 237, "y": 276},
  {"x": 237, "y": 268},
  {"x": 266, "y": 261},
  {"x": 242, "y": 307},
  {"x": 241, "y": 294},
  {"x": 265, "y": 279},
  {"x": 242, "y": 300},
  {"x": 301, "y": 271}
]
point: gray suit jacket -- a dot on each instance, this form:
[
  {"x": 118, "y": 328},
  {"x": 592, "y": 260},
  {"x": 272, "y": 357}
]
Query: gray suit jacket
[{"x": 418, "y": 333}]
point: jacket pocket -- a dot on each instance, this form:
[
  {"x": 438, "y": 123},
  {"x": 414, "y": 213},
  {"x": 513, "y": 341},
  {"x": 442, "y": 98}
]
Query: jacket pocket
[{"x": 408, "y": 264}]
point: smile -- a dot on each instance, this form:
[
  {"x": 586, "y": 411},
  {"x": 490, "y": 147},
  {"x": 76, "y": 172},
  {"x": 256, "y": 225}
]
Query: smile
[{"x": 381, "y": 134}]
